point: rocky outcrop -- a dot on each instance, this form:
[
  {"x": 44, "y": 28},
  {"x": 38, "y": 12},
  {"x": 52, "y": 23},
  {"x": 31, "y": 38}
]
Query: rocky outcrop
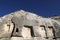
[{"x": 22, "y": 25}]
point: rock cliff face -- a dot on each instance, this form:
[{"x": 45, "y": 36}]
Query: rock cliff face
[{"x": 22, "y": 25}]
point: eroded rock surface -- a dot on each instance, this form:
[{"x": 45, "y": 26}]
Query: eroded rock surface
[{"x": 22, "y": 25}]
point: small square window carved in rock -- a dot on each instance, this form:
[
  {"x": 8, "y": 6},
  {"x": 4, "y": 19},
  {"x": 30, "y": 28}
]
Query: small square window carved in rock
[
  {"x": 26, "y": 32},
  {"x": 50, "y": 31},
  {"x": 42, "y": 31}
]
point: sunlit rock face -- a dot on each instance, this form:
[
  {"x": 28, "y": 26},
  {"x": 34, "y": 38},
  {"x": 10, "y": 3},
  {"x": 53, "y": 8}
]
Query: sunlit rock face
[{"x": 22, "y": 25}]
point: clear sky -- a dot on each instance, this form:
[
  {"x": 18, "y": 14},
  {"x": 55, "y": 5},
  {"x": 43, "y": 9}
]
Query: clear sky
[{"x": 44, "y": 8}]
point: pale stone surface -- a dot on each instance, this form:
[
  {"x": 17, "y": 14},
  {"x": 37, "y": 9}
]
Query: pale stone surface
[
  {"x": 39, "y": 31},
  {"x": 16, "y": 38},
  {"x": 26, "y": 32},
  {"x": 12, "y": 26},
  {"x": 50, "y": 32},
  {"x": 42, "y": 32}
]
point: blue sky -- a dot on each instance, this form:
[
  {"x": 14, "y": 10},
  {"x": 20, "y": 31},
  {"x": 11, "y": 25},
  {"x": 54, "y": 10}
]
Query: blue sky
[{"x": 46, "y": 8}]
